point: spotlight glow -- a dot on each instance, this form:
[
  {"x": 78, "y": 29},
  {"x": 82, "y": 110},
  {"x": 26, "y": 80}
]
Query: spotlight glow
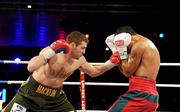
[
  {"x": 17, "y": 60},
  {"x": 29, "y": 6},
  {"x": 107, "y": 49},
  {"x": 161, "y": 35}
]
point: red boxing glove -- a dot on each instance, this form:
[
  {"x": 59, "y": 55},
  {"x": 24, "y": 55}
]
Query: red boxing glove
[
  {"x": 115, "y": 58},
  {"x": 56, "y": 47},
  {"x": 113, "y": 61},
  {"x": 60, "y": 45}
]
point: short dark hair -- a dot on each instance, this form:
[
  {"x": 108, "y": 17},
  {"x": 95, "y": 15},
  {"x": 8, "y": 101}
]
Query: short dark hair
[
  {"x": 126, "y": 29},
  {"x": 76, "y": 37}
]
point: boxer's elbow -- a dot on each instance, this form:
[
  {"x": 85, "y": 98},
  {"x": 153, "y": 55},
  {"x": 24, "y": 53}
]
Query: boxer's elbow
[
  {"x": 127, "y": 70},
  {"x": 35, "y": 63},
  {"x": 30, "y": 67},
  {"x": 128, "y": 73}
]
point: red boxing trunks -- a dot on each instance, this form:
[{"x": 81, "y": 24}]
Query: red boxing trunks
[{"x": 142, "y": 96}]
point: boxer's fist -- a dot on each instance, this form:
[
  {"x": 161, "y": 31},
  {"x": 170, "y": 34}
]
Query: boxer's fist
[
  {"x": 56, "y": 47},
  {"x": 121, "y": 42},
  {"x": 113, "y": 61},
  {"x": 110, "y": 43},
  {"x": 60, "y": 45},
  {"x": 115, "y": 58}
]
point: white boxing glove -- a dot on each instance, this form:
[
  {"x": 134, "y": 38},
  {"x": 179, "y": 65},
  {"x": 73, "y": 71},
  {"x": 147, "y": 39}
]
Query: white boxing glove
[
  {"x": 121, "y": 42},
  {"x": 110, "y": 43}
]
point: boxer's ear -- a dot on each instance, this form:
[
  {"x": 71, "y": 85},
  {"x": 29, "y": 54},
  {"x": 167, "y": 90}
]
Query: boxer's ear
[{"x": 72, "y": 44}]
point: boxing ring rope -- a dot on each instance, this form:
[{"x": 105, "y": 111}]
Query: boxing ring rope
[
  {"x": 26, "y": 62},
  {"x": 92, "y": 83},
  {"x": 82, "y": 82},
  {"x": 13, "y": 62}
]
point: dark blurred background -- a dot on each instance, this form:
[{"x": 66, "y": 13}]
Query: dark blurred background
[{"x": 26, "y": 26}]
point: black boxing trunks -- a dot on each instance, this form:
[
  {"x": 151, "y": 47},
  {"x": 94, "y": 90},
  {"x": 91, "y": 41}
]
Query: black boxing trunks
[
  {"x": 142, "y": 96},
  {"x": 35, "y": 97}
]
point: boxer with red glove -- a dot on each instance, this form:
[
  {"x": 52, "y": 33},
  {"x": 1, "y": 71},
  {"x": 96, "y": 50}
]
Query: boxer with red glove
[
  {"x": 113, "y": 61},
  {"x": 118, "y": 45},
  {"x": 115, "y": 58},
  {"x": 119, "y": 42},
  {"x": 56, "y": 47}
]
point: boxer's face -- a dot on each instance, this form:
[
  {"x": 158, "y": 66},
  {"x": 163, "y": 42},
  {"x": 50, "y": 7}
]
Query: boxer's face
[{"x": 79, "y": 50}]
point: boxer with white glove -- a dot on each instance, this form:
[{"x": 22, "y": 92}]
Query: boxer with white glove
[
  {"x": 121, "y": 41},
  {"x": 118, "y": 45},
  {"x": 110, "y": 43}
]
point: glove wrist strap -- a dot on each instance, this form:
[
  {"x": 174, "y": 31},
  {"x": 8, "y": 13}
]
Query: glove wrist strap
[
  {"x": 109, "y": 64},
  {"x": 48, "y": 53}
]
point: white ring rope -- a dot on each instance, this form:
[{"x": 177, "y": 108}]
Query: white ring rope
[
  {"x": 94, "y": 83},
  {"x": 88, "y": 83},
  {"x": 26, "y": 62},
  {"x": 162, "y": 64},
  {"x": 13, "y": 62}
]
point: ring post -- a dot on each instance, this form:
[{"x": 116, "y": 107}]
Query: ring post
[{"x": 82, "y": 90}]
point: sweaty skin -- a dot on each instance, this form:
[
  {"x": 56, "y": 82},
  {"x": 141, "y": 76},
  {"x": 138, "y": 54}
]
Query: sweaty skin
[
  {"x": 43, "y": 90},
  {"x": 61, "y": 66},
  {"x": 143, "y": 59}
]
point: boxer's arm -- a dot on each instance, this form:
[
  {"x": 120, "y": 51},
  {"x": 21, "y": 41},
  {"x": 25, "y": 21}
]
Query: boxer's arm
[
  {"x": 131, "y": 64},
  {"x": 96, "y": 70},
  {"x": 48, "y": 52},
  {"x": 36, "y": 61}
]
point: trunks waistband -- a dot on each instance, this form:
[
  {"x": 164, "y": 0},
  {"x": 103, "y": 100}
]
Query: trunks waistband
[
  {"x": 143, "y": 84},
  {"x": 31, "y": 86}
]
